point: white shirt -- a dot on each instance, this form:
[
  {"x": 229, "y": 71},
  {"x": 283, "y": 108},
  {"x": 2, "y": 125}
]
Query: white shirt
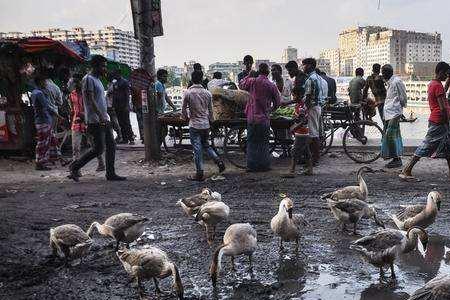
[
  {"x": 396, "y": 90},
  {"x": 287, "y": 90},
  {"x": 323, "y": 89},
  {"x": 91, "y": 84},
  {"x": 213, "y": 83}
]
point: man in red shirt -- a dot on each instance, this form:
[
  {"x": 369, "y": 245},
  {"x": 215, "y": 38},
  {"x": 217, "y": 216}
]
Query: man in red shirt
[{"x": 437, "y": 140}]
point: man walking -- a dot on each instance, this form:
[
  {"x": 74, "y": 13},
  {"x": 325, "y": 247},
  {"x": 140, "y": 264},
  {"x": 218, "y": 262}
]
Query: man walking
[
  {"x": 121, "y": 104},
  {"x": 392, "y": 144},
  {"x": 437, "y": 140},
  {"x": 98, "y": 122},
  {"x": 375, "y": 83},
  {"x": 264, "y": 98},
  {"x": 197, "y": 108},
  {"x": 313, "y": 94}
]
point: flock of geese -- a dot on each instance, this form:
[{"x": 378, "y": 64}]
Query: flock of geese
[{"x": 348, "y": 206}]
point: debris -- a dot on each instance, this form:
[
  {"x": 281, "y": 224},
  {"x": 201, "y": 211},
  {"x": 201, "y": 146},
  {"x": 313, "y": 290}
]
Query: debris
[
  {"x": 217, "y": 178},
  {"x": 57, "y": 220},
  {"x": 282, "y": 195},
  {"x": 163, "y": 183}
]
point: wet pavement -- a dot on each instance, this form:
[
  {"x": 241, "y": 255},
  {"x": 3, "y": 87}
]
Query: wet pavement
[{"x": 325, "y": 268}]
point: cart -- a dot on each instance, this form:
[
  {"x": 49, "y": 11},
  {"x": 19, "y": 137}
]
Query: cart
[{"x": 361, "y": 139}]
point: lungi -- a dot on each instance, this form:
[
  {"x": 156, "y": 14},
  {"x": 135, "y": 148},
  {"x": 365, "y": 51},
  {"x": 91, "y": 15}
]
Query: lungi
[
  {"x": 46, "y": 146},
  {"x": 258, "y": 156},
  {"x": 392, "y": 144},
  {"x": 436, "y": 143}
]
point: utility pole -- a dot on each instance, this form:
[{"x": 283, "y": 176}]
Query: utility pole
[{"x": 144, "y": 27}]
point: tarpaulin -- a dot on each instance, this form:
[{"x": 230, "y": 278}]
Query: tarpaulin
[{"x": 41, "y": 44}]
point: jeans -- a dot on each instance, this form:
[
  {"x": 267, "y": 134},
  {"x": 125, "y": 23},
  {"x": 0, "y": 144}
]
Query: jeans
[
  {"x": 200, "y": 141},
  {"x": 102, "y": 136}
]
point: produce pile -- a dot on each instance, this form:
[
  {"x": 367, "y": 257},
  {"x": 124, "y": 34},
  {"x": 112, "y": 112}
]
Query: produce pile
[{"x": 284, "y": 112}]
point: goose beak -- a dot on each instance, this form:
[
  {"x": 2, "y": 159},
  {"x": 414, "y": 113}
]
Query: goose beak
[
  {"x": 425, "y": 244},
  {"x": 290, "y": 212}
]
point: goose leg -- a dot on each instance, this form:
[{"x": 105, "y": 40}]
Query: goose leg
[
  {"x": 140, "y": 288},
  {"x": 344, "y": 227},
  {"x": 296, "y": 245},
  {"x": 232, "y": 264},
  {"x": 281, "y": 245},
  {"x": 117, "y": 246},
  {"x": 381, "y": 274},
  {"x": 354, "y": 229},
  {"x": 392, "y": 271},
  {"x": 157, "y": 289},
  {"x": 66, "y": 252},
  {"x": 250, "y": 262}
]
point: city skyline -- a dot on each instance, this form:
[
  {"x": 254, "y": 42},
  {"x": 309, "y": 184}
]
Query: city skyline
[{"x": 227, "y": 36}]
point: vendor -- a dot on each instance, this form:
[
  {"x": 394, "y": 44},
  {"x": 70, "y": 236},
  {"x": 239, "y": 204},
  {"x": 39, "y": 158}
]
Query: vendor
[{"x": 44, "y": 114}]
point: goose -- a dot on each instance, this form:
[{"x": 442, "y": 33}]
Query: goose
[
  {"x": 287, "y": 225},
  {"x": 70, "y": 240},
  {"x": 359, "y": 191},
  {"x": 351, "y": 211},
  {"x": 150, "y": 263},
  {"x": 383, "y": 247},
  {"x": 190, "y": 205},
  {"x": 210, "y": 214},
  {"x": 124, "y": 227},
  {"x": 437, "y": 288},
  {"x": 419, "y": 215},
  {"x": 239, "y": 239}
]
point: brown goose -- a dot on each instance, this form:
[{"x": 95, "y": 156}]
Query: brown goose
[
  {"x": 350, "y": 211},
  {"x": 124, "y": 227},
  {"x": 419, "y": 215},
  {"x": 437, "y": 288},
  {"x": 359, "y": 191},
  {"x": 191, "y": 205},
  {"x": 383, "y": 247},
  {"x": 70, "y": 241},
  {"x": 239, "y": 239},
  {"x": 150, "y": 263},
  {"x": 286, "y": 224}
]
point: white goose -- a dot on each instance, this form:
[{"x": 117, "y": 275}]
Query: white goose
[
  {"x": 419, "y": 215},
  {"x": 150, "y": 263},
  {"x": 124, "y": 227},
  {"x": 210, "y": 214},
  {"x": 359, "y": 191},
  {"x": 437, "y": 288},
  {"x": 287, "y": 225},
  {"x": 239, "y": 239},
  {"x": 383, "y": 247},
  {"x": 70, "y": 241}
]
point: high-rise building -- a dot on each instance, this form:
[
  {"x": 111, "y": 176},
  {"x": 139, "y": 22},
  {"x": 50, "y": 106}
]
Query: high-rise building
[
  {"x": 332, "y": 55},
  {"x": 324, "y": 65},
  {"x": 110, "y": 42},
  {"x": 290, "y": 53},
  {"x": 365, "y": 46}
]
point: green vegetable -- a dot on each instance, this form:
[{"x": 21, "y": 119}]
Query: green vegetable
[{"x": 287, "y": 112}]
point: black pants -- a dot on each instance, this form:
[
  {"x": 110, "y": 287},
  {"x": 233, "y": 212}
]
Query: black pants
[
  {"x": 123, "y": 115},
  {"x": 102, "y": 137}
]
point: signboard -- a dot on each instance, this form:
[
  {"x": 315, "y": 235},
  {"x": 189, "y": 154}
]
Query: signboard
[{"x": 151, "y": 9}]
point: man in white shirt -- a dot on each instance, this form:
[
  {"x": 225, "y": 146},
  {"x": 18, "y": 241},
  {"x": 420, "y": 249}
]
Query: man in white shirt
[
  {"x": 217, "y": 81},
  {"x": 392, "y": 145}
]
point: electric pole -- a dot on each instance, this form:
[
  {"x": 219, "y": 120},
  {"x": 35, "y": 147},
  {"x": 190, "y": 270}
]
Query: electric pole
[{"x": 144, "y": 31}]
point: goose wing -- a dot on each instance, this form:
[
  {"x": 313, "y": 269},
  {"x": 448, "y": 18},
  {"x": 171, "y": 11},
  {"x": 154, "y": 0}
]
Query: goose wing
[
  {"x": 380, "y": 241},
  {"x": 195, "y": 201},
  {"x": 70, "y": 235},
  {"x": 299, "y": 220},
  {"x": 213, "y": 208},
  {"x": 350, "y": 206},
  {"x": 410, "y": 212},
  {"x": 436, "y": 289},
  {"x": 124, "y": 221}
]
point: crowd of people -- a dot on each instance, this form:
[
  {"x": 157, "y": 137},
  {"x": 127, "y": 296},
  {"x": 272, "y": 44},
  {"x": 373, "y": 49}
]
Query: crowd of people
[{"x": 96, "y": 113}]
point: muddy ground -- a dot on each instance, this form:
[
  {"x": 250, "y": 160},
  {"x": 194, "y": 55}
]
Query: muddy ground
[{"x": 32, "y": 202}]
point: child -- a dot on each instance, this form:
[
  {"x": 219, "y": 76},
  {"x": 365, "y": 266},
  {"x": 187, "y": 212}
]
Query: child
[{"x": 301, "y": 133}]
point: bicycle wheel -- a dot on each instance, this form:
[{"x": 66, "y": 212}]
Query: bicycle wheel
[
  {"x": 235, "y": 146},
  {"x": 326, "y": 136},
  {"x": 362, "y": 141}
]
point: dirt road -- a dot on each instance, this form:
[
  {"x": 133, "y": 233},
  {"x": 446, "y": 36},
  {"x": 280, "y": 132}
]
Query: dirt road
[{"x": 326, "y": 269}]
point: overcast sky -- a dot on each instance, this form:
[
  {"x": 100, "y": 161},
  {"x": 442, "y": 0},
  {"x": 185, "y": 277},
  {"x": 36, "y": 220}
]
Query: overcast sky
[{"x": 224, "y": 30}]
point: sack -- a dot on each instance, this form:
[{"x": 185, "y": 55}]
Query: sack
[{"x": 228, "y": 104}]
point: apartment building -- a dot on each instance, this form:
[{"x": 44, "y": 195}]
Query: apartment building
[
  {"x": 109, "y": 41},
  {"x": 290, "y": 53},
  {"x": 332, "y": 55}
]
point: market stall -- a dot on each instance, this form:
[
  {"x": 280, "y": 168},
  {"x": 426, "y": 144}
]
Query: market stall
[{"x": 19, "y": 58}]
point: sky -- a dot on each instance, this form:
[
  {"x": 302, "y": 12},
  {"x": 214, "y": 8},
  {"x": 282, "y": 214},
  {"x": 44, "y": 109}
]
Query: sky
[{"x": 211, "y": 31}]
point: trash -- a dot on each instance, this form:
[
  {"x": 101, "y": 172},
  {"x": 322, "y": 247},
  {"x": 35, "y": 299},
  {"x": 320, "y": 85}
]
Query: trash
[
  {"x": 57, "y": 220},
  {"x": 276, "y": 155},
  {"x": 333, "y": 155},
  {"x": 73, "y": 206},
  {"x": 217, "y": 178},
  {"x": 282, "y": 195},
  {"x": 163, "y": 183},
  {"x": 216, "y": 196}
]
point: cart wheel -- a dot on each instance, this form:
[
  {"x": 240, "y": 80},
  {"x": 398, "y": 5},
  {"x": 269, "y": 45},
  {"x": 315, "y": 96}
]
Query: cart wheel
[
  {"x": 235, "y": 146},
  {"x": 326, "y": 135},
  {"x": 362, "y": 141}
]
